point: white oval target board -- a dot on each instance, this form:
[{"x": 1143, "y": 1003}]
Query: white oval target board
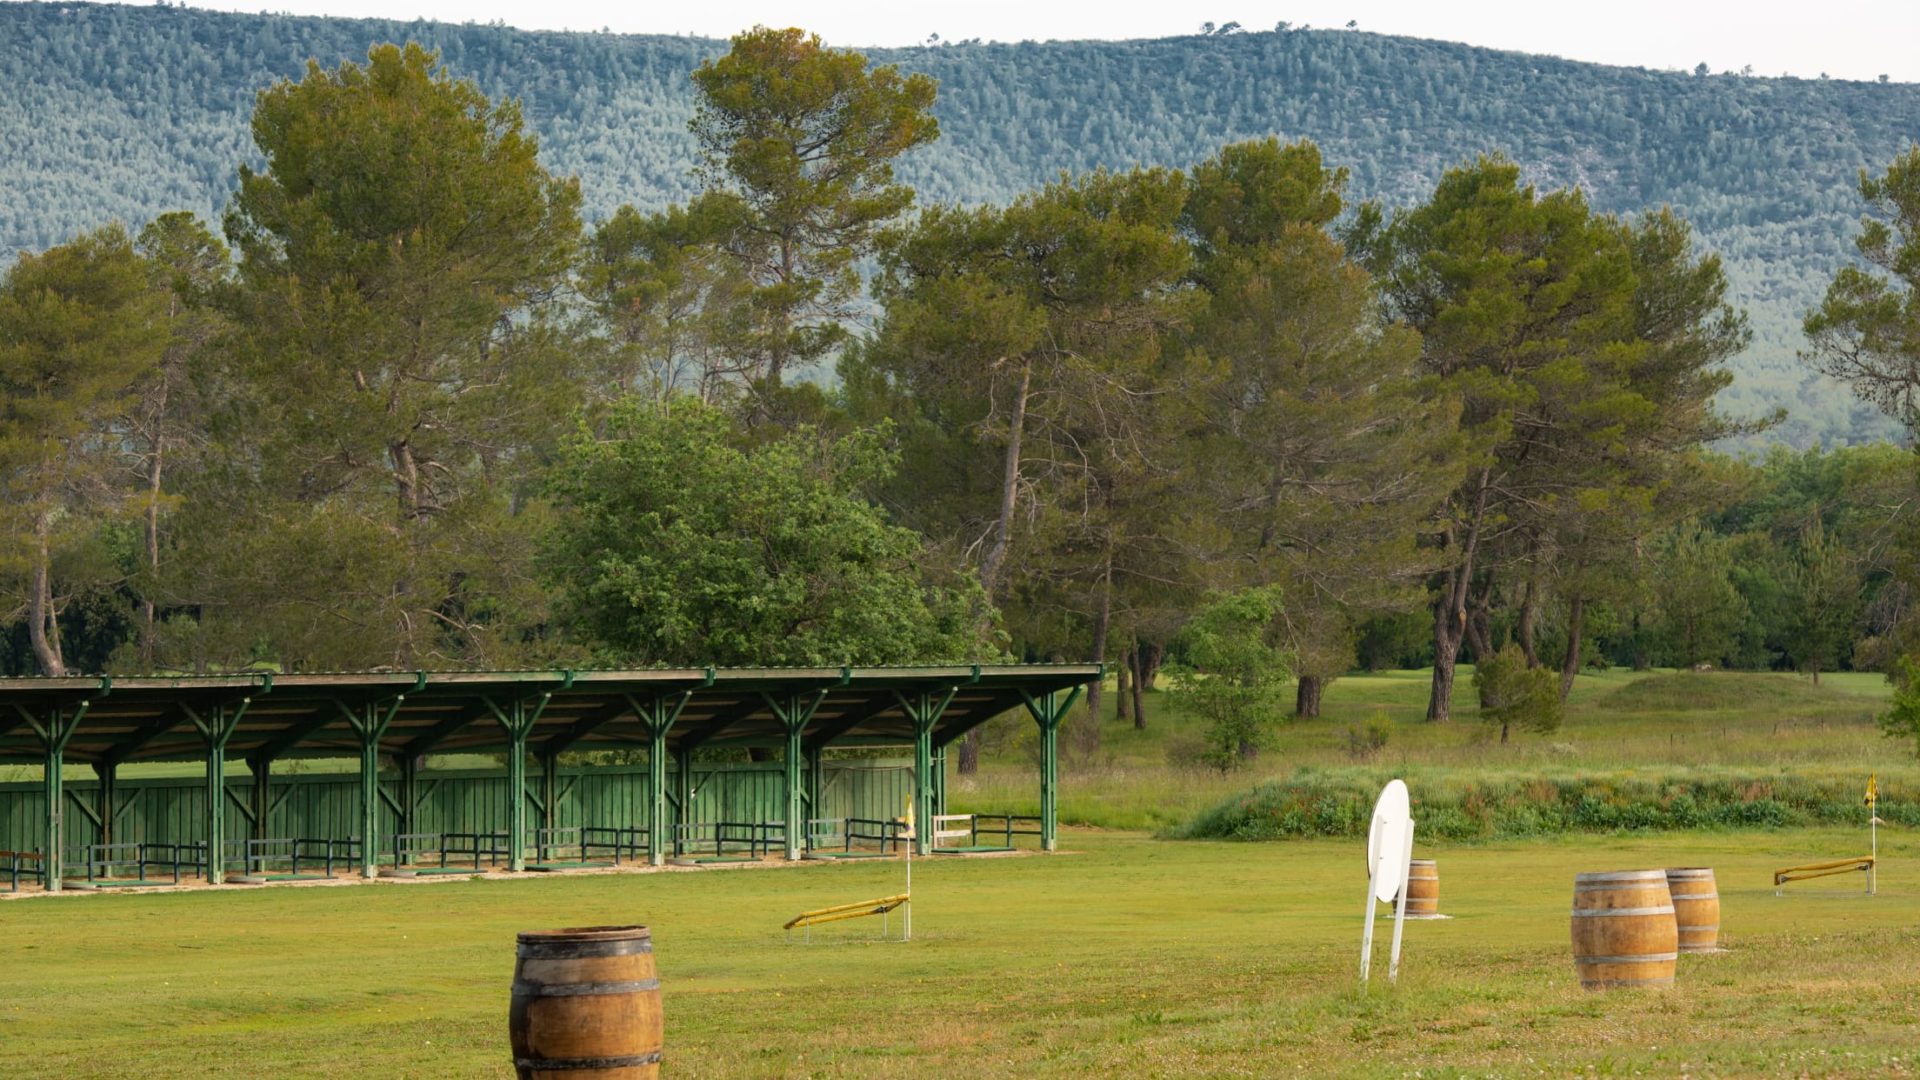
[{"x": 1387, "y": 840}]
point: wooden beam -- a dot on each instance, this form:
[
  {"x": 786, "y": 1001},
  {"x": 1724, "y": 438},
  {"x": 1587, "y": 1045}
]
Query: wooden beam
[
  {"x": 136, "y": 740},
  {"x": 586, "y": 726},
  {"x": 424, "y": 742},
  {"x": 879, "y": 706},
  {"x": 301, "y": 731},
  {"x": 713, "y": 727}
]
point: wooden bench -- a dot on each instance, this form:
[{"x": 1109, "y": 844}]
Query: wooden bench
[
  {"x": 409, "y": 848},
  {"x": 104, "y": 859},
  {"x": 258, "y": 858},
  {"x": 19, "y": 864}
]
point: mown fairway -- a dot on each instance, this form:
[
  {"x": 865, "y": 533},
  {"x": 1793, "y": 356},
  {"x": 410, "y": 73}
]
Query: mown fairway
[{"x": 1132, "y": 956}]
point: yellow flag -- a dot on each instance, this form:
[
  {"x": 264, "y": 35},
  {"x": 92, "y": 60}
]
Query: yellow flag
[
  {"x": 1873, "y": 788},
  {"x": 909, "y": 816}
]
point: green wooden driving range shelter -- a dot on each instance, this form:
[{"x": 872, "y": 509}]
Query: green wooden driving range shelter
[{"x": 529, "y": 717}]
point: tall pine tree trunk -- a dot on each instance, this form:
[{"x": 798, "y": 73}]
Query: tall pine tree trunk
[
  {"x": 43, "y": 629},
  {"x": 149, "y": 629},
  {"x": 1450, "y": 609},
  {"x": 1102, "y": 619},
  {"x": 1570, "y": 663},
  {"x": 1479, "y": 623},
  {"x": 996, "y": 556},
  {"x": 1123, "y": 687},
  {"x": 1138, "y": 660},
  {"x": 1528, "y": 606}
]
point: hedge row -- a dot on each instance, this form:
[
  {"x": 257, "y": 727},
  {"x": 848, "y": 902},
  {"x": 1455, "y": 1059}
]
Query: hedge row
[{"x": 1315, "y": 803}]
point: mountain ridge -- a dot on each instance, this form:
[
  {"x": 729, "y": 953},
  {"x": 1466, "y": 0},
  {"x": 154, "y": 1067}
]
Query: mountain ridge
[{"x": 111, "y": 111}]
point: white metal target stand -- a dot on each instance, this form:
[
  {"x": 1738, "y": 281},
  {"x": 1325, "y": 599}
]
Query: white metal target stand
[{"x": 1389, "y": 856}]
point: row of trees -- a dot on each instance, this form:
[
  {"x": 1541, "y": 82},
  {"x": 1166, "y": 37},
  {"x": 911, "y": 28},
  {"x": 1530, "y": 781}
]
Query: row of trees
[{"x": 413, "y": 412}]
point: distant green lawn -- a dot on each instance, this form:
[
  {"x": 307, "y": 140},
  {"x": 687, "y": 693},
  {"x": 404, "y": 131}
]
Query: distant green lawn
[
  {"x": 1132, "y": 957},
  {"x": 1751, "y": 722}
]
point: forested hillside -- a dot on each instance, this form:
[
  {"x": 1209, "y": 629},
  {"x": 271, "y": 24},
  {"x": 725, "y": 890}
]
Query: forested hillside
[{"x": 113, "y": 112}]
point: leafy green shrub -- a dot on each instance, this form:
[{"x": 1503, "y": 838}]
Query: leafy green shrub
[
  {"x": 1513, "y": 694},
  {"x": 1321, "y": 803},
  {"x": 1365, "y": 743},
  {"x": 1902, "y": 720},
  {"x": 1234, "y": 677}
]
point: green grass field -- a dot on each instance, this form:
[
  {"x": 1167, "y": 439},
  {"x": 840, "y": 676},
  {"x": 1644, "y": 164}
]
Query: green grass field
[
  {"x": 1617, "y": 721},
  {"x": 1130, "y": 956}
]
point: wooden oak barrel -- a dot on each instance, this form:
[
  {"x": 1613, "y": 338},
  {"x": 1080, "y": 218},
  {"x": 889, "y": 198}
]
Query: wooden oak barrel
[
  {"x": 1696, "y": 907},
  {"x": 1423, "y": 887},
  {"x": 1623, "y": 929},
  {"x": 586, "y": 1005}
]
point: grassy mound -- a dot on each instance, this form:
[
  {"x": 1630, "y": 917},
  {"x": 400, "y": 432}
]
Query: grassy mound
[
  {"x": 1494, "y": 807},
  {"x": 1724, "y": 691}
]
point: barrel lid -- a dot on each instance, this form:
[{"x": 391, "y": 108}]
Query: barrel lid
[
  {"x": 1690, "y": 871},
  {"x": 1621, "y": 875},
  {"x": 585, "y": 933}
]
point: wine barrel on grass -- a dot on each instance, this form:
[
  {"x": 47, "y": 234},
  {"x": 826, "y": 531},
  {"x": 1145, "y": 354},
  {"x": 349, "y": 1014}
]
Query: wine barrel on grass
[
  {"x": 1423, "y": 887},
  {"x": 586, "y": 1005},
  {"x": 1623, "y": 929},
  {"x": 1696, "y": 908}
]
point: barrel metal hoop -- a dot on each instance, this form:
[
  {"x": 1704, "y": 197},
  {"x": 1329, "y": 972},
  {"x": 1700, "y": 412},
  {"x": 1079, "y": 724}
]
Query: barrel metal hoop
[
  {"x": 1683, "y": 897},
  {"x": 629, "y": 1061},
  {"x": 633, "y": 986},
  {"x": 1622, "y": 875},
  {"x": 1645, "y": 958},
  {"x": 1690, "y": 927},
  {"x": 1601, "y": 984},
  {"x": 580, "y": 950},
  {"x": 1603, "y": 912}
]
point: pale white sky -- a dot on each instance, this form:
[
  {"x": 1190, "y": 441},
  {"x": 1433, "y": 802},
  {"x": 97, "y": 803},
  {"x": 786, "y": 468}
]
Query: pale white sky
[{"x": 1851, "y": 39}]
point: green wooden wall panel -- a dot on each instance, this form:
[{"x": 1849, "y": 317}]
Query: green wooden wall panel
[{"x": 327, "y": 805}]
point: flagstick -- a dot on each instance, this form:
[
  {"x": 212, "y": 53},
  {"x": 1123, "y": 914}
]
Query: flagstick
[{"x": 1873, "y": 834}]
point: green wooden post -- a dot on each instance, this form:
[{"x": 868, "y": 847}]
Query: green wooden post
[
  {"x": 549, "y": 789},
  {"x": 793, "y": 713},
  {"x": 517, "y": 790},
  {"x": 940, "y": 780},
  {"x": 683, "y": 786},
  {"x": 370, "y": 725},
  {"x": 658, "y": 716},
  {"x": 1048, "y": 711},
  {"x": 816, "y": 781},
  {"x": 924, "y": 709},
  {"x": 260, "y": 799},
  {"x": 109, "y": 774},
  {"x": 796, "y": 817},
  {"x": 54, "y": 763},
  {"x": 54, "y": 733},
  {"x": 217, "y": 727},
  {"x": 658, "y": 817},
  {"x": 369, "y": 799},
  {"x": 518, "y": 721},
  {"x": 409, "y": 792},
  {"x": 922, "y": 787}
]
